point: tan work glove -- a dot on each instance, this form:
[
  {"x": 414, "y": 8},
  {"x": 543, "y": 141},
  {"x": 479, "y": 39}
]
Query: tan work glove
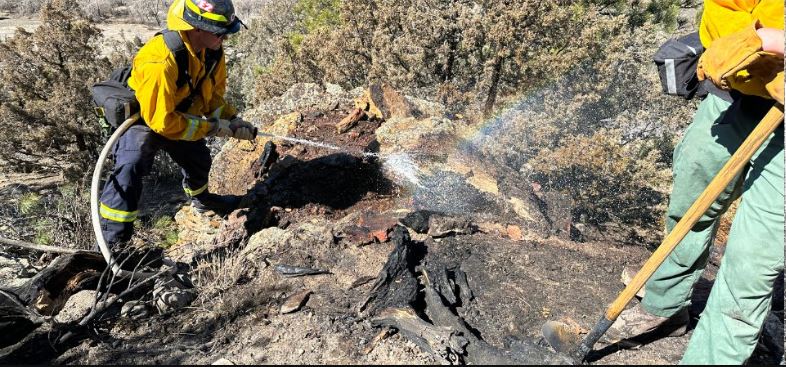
[
  {"x": 242, "y": 129},
  {"x": 736, "y": 61},
  {"x": 775, "y": 87}
]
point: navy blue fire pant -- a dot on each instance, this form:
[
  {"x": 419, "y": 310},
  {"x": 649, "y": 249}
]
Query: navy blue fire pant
[{"x": 134, "y": 154}]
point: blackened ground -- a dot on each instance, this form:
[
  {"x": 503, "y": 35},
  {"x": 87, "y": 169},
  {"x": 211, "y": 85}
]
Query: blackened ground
[{"x": 516, "y": 285}]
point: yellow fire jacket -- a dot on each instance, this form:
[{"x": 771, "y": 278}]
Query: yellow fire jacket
[
  {"x": 723, "y": 17},
  {"x": 154, "y": 77}
]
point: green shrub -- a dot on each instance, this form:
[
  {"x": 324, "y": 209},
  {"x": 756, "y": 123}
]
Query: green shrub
[
  {"x": 45, "y": 96},
  {"x": 166, "y": 230},
  {"x": 29, "y": 203}
]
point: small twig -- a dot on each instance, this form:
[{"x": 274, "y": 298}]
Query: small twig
[
  {"x": 101, "y": 282},
  {"x": 133, "y": 273},
  {"x": 112, "y": 279},
  {"x": 33, "y": 246}
]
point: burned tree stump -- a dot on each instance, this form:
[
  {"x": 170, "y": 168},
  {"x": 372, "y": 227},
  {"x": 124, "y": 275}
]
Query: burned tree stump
[
  {"x": 16, "y": 321},
  {"x": 28, "y": 337},
  {"x": 396, "y": 285},
  {"x": 419, "y": 298}
]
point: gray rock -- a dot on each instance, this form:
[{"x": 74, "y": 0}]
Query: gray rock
[
  {"x": 12, "y": 268},
  {"x": 135, "y": 310},
  {"x": 442, "y": 226},
  {"x": 77, "y": 307},
  {"x": 170, "y": 295},
  {"x": 334, "y": 89},
  {"x": 418, "y": 220}
]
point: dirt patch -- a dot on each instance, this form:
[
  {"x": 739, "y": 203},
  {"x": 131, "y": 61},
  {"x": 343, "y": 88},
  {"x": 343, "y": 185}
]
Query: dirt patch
[
  {"x": 118, "y": 30},
  {"x": 516, "y": 286}
]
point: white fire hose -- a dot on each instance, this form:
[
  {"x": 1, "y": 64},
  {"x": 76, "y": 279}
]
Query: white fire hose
[{"x": 94, "y": 216}]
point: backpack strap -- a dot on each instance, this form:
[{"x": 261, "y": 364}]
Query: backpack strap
[{"x": 176, "y": 45}]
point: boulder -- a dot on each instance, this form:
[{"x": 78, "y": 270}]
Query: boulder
[
  {"x": 234, "y": 168},
  {"x": 411, "y": 134}
]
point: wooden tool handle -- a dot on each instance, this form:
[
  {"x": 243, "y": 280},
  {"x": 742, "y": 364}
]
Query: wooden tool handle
[{"x": 735, "y": 164}]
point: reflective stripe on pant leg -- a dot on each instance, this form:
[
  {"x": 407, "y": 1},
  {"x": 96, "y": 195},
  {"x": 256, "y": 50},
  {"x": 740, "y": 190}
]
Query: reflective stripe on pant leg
[
  {"x": 134, "y": 154},
  {"x": 740, "y": 300},
  {"x": 701, "y": 153},
  {"x": 194, "y": 160},
  {"x": 117, "y": 215},
  {"x": 192, "y": 193}
]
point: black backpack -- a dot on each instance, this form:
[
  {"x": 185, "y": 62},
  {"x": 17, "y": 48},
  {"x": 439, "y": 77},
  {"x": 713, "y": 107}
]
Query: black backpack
[
  {"x": 115, "y": 102},
  {"x": 676, "y": 61}
]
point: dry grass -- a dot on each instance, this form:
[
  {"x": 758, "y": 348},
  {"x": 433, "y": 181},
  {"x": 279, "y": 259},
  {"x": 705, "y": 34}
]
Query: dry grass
[
  {"x": 218, "y": 273},
  {"x": 224, "y": 287}
]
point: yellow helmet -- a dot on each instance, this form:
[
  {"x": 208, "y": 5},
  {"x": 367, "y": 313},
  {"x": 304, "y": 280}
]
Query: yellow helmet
[{"x": 215, "y": 16}]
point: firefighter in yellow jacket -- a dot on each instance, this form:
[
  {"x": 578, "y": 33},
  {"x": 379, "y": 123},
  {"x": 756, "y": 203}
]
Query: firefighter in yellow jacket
[
  {"x": 744, "y": 43},
  {"x": 176, "y": 118}
]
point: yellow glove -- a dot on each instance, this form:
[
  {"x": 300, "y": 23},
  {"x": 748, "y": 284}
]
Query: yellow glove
[
  {"x": 737, "y": 62},
  {"x": 757, "y": 78}
]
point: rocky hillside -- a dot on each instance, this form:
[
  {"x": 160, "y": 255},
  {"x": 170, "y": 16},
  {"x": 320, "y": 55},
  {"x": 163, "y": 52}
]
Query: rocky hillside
[{"x": 403, "y": 246}]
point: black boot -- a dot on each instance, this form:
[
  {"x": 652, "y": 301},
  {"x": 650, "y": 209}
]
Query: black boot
[{"x": 221, "y": 204}]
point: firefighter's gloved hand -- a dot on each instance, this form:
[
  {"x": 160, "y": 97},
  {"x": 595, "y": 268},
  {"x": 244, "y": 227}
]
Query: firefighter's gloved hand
[
  {"x": 242, "y": 129},
  {"x": 220, "y": 128},
  {"x": 758, "y": 78},
  {"x": 775, "y": 87},
  {"x": 736, "y": 61}
]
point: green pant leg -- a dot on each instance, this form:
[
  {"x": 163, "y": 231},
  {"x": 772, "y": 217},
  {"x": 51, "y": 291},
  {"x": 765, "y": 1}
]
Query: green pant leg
[
  {"x": 740, "y": 300},
  {"x": 706, "y": 146}
]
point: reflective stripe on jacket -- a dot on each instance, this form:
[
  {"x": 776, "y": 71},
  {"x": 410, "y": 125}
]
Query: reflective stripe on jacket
[
  {"x": 723, "y": 17},
  {"x": 154, "y": 77}
]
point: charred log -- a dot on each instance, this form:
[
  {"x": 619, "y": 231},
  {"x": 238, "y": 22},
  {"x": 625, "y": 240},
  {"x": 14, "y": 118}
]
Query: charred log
[
  {"x": 48, "y": 290},
  {"x": 396, "y": 285},
  {"x": 431, "y": 321},
  {"x": 350, "y": 121},
  {"x": 16, "y": 321},
  {"x": 22, "y": 328}
]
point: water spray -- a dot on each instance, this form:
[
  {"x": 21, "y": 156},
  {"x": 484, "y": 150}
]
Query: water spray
[{"x": 399, "y": 164}]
